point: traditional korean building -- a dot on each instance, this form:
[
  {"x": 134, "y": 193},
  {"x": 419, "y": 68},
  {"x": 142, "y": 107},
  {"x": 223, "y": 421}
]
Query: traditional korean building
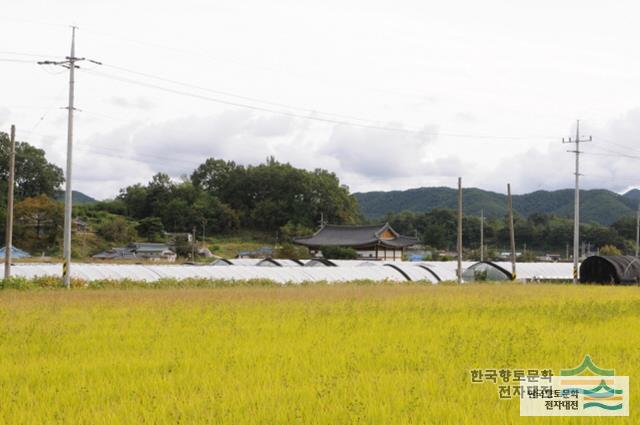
[{"x": 375, "y": 242}]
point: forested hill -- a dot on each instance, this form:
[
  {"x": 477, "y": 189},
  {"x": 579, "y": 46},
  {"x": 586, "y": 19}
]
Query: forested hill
[
  {"x": 600, "y": 206},
  {"x": 77, "y": 197}
]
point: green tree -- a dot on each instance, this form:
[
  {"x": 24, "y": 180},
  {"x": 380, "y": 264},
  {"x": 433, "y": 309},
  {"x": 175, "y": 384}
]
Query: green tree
[
  {"x": 38, "y": 224},
  {"x": 214, "y": 176},
  {"x": 34, "y": 175},
  {"x": 183, "y": 247},
  {"x": 117, "y": 229},
  {"x": 272, "y": 194},
  {"x": 151, "y": 228},
  {"x": 626, "y": 227},
  {"x": 135, "y": 201}
]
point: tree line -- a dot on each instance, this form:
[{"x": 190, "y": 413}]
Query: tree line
[
  {"x": 273, "y": 197},
  {"x": 224, "y": 196},
  {"x": 540, "y": 232}
]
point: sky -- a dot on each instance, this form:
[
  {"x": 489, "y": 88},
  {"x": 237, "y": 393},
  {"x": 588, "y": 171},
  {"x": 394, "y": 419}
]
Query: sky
[{"x": 388, "y": 95}]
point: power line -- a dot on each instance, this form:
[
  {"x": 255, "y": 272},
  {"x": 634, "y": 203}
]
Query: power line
[
  {"x": 294, "y": 114},
  {"x": 626, "y": 147},
  {"x": 309, "y": 113},
  {"x": 616, "y": 155},
  {"x": 17, "y": 60},
  {"x": 204, "y": 54},
  {"x": 33, "y": 55},
  {"x": 254, "y": 107},
  {"x": 226, "y": 93}
]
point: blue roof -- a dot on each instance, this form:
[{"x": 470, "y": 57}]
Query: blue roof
[{"x": 15, "y": 253}]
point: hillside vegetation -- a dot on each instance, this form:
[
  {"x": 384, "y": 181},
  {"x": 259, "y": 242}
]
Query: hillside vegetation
[
  {"x": 77, "y": 198},
  {"x": 599, "y": 206}
]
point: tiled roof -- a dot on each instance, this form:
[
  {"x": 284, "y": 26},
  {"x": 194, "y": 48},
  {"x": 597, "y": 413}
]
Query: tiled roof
[{"x": 355, "y": 236}]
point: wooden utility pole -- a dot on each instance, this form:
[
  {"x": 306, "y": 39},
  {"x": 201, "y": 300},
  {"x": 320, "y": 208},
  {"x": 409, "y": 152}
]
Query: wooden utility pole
[
  {"x": 8, "y": 243},
  {"x": 193, "y": 243},
  {"x": 637, "y": 230},
  {"x": 459, "y": 229},
  {"x": 512, "y": 234},
  {"x": 482, "y": 235}
]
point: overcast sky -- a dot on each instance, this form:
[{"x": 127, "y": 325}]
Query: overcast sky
[{"x": 483, "y": 90}]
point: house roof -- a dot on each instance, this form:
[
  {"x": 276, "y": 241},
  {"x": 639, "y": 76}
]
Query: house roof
[
  {"x": 148, "y": 247},
  {"x": 356, "y": 236},
  {"x": 116, "y": 253},
  {"x": 15, "y": 252}
]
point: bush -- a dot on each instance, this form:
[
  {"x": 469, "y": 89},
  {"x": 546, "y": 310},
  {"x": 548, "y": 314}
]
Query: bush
[
  {"x": 117, "y": 229},
  {"x": 609, "y": 250},
  {"x": 291, "y": 230},
  {"x": 291, "y": 252},
  {"x": 338, "y": 253}
]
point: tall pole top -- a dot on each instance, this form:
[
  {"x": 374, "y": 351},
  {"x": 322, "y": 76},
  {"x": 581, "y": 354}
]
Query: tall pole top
[{"x": 73, "y": 42}]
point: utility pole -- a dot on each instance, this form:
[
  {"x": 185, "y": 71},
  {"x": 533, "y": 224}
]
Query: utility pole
[
  {"x": 512, "y": 234},
  {"x": 482, "y": 235},
  {"x": 193, "y": 243},
  {"x": 204, "y": 224},
  {"x": 576, "y": 211},
  {"x": 637, "y": 230},
  {"x": 69, "y": 63},
  {"x": 459, "y": 230},
  {"x": 8, "y": 244}
]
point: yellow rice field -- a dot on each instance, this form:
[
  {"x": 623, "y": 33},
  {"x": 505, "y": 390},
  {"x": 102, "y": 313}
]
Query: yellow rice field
[{"x": 318, "y": 354}]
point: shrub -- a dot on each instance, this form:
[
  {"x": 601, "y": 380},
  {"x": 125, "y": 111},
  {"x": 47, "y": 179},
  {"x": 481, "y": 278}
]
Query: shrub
[
  {"x": 338, "y": 253},
  {"x": 609, "y": 250}
]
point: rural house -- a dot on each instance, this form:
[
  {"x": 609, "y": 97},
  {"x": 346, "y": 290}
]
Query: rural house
[
  {"x": 377, "y": 241},
  {"x": 144, "y": 250}
]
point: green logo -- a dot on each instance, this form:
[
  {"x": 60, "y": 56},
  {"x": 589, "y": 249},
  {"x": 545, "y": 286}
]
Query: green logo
[
  {"x": 601, "y": 396},
  {"x": 587, "y": 363}
]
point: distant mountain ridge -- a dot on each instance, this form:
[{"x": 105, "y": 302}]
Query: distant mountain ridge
[
  {"x": 596, "y": 205},
  {"x": 76, "y": 197}
]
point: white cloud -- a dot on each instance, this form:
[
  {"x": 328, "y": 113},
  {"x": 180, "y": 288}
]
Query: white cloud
[
  {"x": 379, "y": 154},
  {"x": 140, "y": 102},
  {"x": 465, "y": 67},
  {"x": 5, "y": 113}
]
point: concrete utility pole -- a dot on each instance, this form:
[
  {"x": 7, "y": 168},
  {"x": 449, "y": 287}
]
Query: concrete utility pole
[
  {"x": 8, "y": 243},
  {"x": 69, "y": 63},
  {"x": 576, "y": 211},
  {"x": 459, "y": 229},
  {"x": 511, "y": 234},
  {"x": 482, "y": 235}
]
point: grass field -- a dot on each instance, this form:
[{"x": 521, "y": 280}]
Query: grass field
[{"x": 387, "y": 354}]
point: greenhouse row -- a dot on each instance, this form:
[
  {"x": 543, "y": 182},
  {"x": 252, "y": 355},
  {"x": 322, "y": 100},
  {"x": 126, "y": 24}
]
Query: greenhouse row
[{"x": 299, "y": 271}]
